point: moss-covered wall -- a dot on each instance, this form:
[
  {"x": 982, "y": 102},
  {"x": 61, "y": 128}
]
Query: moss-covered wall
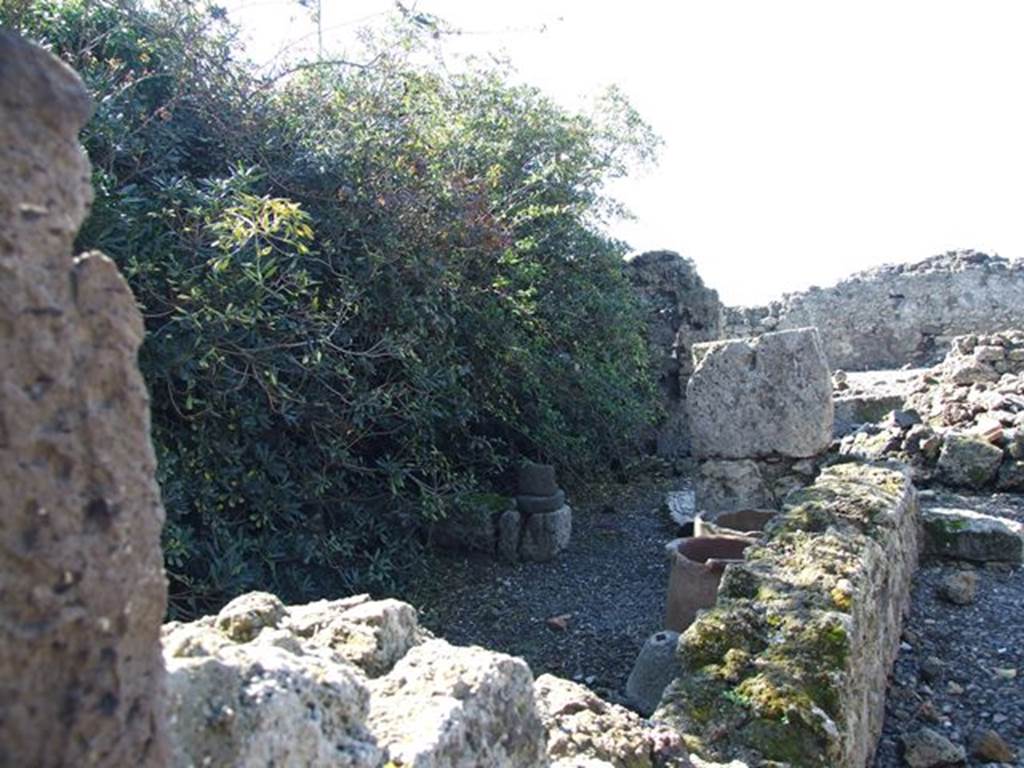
[{"x": 791, "y": 665}]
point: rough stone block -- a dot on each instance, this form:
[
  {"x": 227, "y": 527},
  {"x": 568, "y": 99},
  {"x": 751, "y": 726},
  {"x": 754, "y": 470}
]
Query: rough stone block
[
  {"x": 546, "y": 534},
  {"x": 968, "y": 535},
  {"x": 791, "y": 665},
  {"x": 510, "y": 525},
  {"x": 443, "y": 706},
  {"x": 761, "y": 397},
  {"x": 258, "y": 704},
  {"x": 968, "y": 462}
]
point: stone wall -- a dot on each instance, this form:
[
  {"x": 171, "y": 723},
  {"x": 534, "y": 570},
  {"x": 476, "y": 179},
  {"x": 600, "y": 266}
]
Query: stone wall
[
  {"x": 791, "y": 664},
  {"x": 898, "y": 314},
  {"x": 682, "y": 312},
  {"x": 359, "y": 683},
  {"x": 82, "y": 590}
]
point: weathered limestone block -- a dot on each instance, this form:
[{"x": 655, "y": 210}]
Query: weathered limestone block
[
  {"x": 791, "y": 665},
  {"x": 546, "y": 534},
  {"x": 761, "y": 397},
  {"x": 259, "y": 704},
  {"x": 449, "y": 707},
  {"x": 583, "y": 727},
  {"x": 82, "y": 584},
  {"x": 964, "y": 534}
]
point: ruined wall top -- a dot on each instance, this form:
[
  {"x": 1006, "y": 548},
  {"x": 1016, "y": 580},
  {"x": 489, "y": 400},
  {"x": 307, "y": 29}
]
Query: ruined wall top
[{"x": 899, "y": 314}]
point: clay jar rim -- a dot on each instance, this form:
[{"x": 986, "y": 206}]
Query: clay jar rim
[{"x": 711, "y": 552}]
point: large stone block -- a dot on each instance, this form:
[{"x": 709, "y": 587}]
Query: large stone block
[
  {"x": 546, "y": 534},
  {"x": 791, "y": 665},
  {"x": 726, "y": 486},
  {"x": 447, "y": 707},
  {"x": 761, "y": 397},
  {"x": 964, "y": 534},
  {"x": 82, "y": 584}
]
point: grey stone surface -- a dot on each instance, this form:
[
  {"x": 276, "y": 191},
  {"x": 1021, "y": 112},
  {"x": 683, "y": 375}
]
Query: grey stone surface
[
  {"x": 761, "y": 397},
  {"x": 448, "y": 707},
  {"x": 681, "y": 311},
  {"x": 964, "y": 534},
  {"x": 968, "y": 462},
  {"x": 546, "y": 534},
  {"x": 680, "y": 507},
  {"x": 926, "y": 748},
  {"x": 82, "y": 585},
  {"x": 959, "y": 587},
  {"x": 898, "y": 314},
  {"x": 656, "y": 666}
]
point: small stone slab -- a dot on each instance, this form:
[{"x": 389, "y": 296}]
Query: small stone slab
[{"x": 968, "y": 535}]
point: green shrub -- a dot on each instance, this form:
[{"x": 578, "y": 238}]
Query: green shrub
[{"x": 368, "y": 289}]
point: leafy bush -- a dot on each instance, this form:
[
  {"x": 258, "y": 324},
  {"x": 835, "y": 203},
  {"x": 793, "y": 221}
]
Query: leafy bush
[{"x": 368, "y": 289}]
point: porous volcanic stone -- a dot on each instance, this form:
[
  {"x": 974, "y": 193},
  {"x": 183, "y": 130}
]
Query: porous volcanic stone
[
  {"x": 82, "y": 586},
  {"x": 443, "y": 706},
  {"x": 758, "y": 397}
]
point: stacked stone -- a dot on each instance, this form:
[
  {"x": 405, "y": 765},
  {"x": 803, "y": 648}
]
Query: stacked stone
[
  {"x": 545, "y": 518},
  {"x": 963, "y": 425},
  {"x": 760, "y": 413}
]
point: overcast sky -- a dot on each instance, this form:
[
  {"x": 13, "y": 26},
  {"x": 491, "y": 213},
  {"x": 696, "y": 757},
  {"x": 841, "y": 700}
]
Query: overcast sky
[{"x": 804, "y": 139}]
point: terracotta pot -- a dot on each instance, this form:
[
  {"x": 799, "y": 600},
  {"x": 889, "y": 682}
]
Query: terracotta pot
[
  {"x": 697, "y": 566},
  {"x": 744, "y": 522}
]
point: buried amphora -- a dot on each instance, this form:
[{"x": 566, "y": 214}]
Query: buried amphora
[{"x": 697, "y": 566}]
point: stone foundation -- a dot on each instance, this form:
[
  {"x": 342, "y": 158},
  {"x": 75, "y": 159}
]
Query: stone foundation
[{"x": 791, "y": 665}]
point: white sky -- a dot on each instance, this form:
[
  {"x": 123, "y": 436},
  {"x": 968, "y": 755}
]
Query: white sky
[{"x": 804, "y": 139}]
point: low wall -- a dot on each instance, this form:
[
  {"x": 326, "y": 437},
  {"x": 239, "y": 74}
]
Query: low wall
[{"x": 791, "y": 665}]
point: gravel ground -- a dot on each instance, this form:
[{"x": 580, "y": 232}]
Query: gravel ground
[
  {"x": 978, "y": 682},
  {"x": 609, "y": 585}
]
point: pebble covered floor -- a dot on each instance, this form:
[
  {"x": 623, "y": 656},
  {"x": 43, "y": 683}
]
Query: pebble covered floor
[{"x": 960, "y": 669}]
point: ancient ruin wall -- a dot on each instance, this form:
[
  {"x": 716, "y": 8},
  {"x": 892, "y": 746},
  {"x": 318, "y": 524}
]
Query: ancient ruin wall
[
  {"x": 82, "y": 590},
  {"x": 895, "y": 315},
  {"x": 681, "y": 312},
  {"x": 791, "y": 665}
]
